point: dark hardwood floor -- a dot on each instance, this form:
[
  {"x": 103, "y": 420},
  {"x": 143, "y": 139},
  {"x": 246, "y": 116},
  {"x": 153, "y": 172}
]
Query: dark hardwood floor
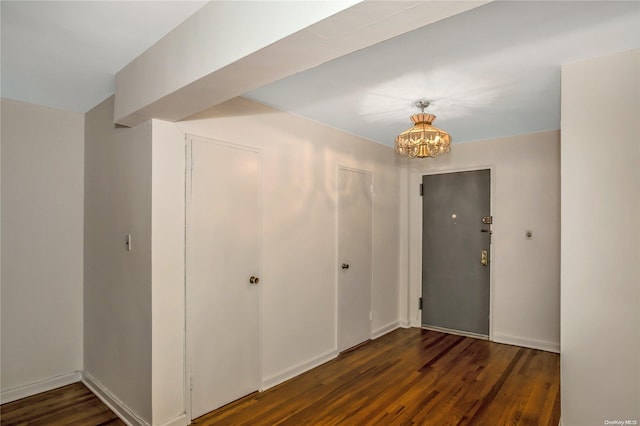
[
  {"x": 412, "y": 377},
  {"x": 69, "y": 405},
  {"x": 408, "y": 377}
]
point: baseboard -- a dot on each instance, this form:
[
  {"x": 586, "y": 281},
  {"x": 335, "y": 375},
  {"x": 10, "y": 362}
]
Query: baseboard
[
  {"x": 178, "y": 421},
  {"x": 45, "y": 385},
  {"x": 527, "y": 343},
  {"x": 405, "y": 324},
  {"x": 384, "y": 330},
  {"x": 274, "y": 380},
  {"x": 126, "y": 414}
]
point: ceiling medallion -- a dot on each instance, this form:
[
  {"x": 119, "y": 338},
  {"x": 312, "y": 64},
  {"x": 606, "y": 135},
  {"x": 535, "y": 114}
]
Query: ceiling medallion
[{"x": 423, "y": 140}]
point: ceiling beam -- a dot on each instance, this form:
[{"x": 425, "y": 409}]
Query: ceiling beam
[{"x": 228, "y": 48}]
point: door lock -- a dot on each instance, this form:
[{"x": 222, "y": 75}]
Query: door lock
[
  {"x": 345, "y": 266},
  {"x": 254, "y": 280},
  {"x": 484, "y": 260}
]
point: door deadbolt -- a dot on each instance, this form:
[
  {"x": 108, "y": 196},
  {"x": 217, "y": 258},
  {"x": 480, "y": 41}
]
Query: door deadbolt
[
  {"x": 484, "y": 260},
  {"x": 345, "y": 266},
  {"x": 254, "y": 280}
]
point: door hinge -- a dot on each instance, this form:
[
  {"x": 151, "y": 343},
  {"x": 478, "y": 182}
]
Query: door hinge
[
  {"x": 191, "y": 383},
  {"x": 421, "y": 189},
  {"x": 420, "y": 303}
]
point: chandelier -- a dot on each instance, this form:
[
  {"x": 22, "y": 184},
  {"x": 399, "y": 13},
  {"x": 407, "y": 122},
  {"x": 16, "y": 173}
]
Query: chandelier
[{"x": 423, "y": 139}]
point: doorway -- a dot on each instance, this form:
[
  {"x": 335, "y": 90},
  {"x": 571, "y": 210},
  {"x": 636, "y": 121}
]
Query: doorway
[
  {"x": 355, "y": 251},
  {"x": 223, "y": 273},
  {"x": 456, "y": 238}
]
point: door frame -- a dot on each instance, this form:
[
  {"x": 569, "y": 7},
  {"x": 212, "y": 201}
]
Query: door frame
[
  {"x": 337, "y": 249},
  {"x": 188, "y": 347},
  {"x": 415, "y": 240}
]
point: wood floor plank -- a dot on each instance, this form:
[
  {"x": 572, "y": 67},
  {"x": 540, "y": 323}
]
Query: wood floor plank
[
  {"x": 412, "y": 377},
  {"x": 73, "y": 404},
  {"x": 407, "y": 377}
]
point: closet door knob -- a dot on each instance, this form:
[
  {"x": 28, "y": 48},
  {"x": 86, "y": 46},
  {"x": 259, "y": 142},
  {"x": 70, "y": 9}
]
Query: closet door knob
[{"x": 254, "y": 280}]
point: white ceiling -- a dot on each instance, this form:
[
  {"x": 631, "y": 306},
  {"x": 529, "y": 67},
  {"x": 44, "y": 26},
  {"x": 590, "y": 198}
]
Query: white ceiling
[
  {"x": 490, "y": 72},
  {"x": 65, "y": 54}
]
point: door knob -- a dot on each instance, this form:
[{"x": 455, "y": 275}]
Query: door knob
[
  {"x": 345, "y": 266},
  {"x": 254, "y": 280}
]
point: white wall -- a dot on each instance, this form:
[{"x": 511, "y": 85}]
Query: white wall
[
  {"x": 134, "y": 301},
  {"x": 168, "y": 259},
  {"x": 600, "y": 358},
  {"x": 525, "y": 196},
  {"x": 300, "y": 160},
  {"x": 42, "y": 196},
  {"x": 117, "y": 282}
]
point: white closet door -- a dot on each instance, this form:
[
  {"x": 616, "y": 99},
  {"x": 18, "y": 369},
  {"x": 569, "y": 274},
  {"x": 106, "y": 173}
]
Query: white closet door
[
  {"x": 224, "y": 253},
  {"x": 355, "y": 219}
]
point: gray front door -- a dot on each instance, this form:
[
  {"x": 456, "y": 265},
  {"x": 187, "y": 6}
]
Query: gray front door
[{"x": 455, "y": 283}]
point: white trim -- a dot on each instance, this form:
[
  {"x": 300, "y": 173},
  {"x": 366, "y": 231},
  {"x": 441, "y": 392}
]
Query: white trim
[
  {"x": 373, "y": 237},
  {"x": 126, "y": 414},
  {"x": 403, "y": 247},
  {"x": 317, "y": 361},
  {"x": 381, "y": 331},
  {"x": 340, "y": 167},
  {"x": 261, "y": 272},
  {"x": 181, "y": 420},
  {"x": 189, "y": 167},
  {"x": 492, "y": 252},
  {"x": 191, "y": 136},
  {"x": 187, "y": 266},
  {"x": 456, "y": 332},
  {"x": 276, "y": 379},
  {"x": 336, "y": 274},
  {"x": 44, "y": 385},
  {"x": 542, "y": 345}
]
